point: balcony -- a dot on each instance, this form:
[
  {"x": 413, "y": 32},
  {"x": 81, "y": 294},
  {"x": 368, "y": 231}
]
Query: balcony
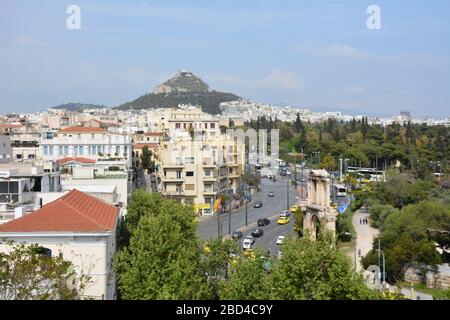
[
  {"x": 209, "y": 178},
  {"x": 173, "y": 193},
  {"x": 172, "y": 179},
  {"x": 210, "y": 192},
  {"x": 173, "y": 166}
]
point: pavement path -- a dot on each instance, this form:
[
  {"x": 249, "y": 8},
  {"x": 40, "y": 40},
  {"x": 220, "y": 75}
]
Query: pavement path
[{"x": 364, "y": 236}]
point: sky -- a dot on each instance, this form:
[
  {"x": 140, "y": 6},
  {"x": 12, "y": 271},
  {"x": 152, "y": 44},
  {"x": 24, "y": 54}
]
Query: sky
[{"x": 313, "y": 54}]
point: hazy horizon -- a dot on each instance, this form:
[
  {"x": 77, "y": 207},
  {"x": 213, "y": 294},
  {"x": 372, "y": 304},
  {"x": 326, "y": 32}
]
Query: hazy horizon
[{"x": 311, "y": 55}]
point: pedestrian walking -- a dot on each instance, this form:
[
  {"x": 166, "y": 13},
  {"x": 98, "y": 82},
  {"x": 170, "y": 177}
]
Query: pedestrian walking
[{"x": 360, "y": 221}]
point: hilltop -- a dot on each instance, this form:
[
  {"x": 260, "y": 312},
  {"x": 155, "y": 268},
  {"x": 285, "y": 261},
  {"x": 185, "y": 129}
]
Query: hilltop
[{"x": 183, "y": 88}]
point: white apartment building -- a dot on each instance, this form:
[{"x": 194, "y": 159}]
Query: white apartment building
[
  {"x": 88, "y": 142},
  {"x": 5, "y": 149},
  {"x": 78, "y": 226}
]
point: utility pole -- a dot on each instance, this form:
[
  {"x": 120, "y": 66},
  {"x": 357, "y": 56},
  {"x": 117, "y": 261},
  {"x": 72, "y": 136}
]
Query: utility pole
[
  {"x": 229, "y": 207},
  {"x": 340, "y": 169},
  {"x": 218, "y": 221},
  {"x": 379, "y": 249}
]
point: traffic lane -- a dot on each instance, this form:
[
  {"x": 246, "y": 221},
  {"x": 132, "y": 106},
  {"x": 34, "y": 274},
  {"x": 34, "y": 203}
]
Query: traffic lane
[
  {"x": 268, "y": 241},
  {"x": 207, "y": 229}
]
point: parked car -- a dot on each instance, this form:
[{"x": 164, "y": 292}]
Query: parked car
[
  {"x": 258, "y": 204},
  {"x": 236, "y": 235},
  {"x": 279, "y": 254},
  {"x": 294, "y": 208},
  {"x": 263, "y": 222},
  {"x": 271, "y": 194},
  {"x": 257, "y": 232},
  {"x": 280, "y": 239},
  {"x": 284, "y": 220}
]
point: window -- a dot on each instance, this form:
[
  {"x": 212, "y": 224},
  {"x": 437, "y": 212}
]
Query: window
[
  {"x": 178, "y": 174},
  {"x": 61, "y": 150},
  {"x": 45, "y": 150},
  {"x": 50, "y": 150},
  {"x": 213, "y": 125},
  {"x": 206, "y": 125},
  {"x": 189, "y": 173},
  {"x": 189, "y": 159},
  {"x": 177, "y": 125},
  {"x": 208, "y": 173},
  {"x": 190, "y": 187},
  {"x": 92, "y": 136}
]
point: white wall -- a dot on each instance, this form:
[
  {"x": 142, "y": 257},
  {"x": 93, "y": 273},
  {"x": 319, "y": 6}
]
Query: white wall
[{"x": 90, "y": 255}]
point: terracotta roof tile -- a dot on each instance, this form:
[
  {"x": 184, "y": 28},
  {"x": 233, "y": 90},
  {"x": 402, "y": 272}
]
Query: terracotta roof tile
[
  {"x": 73, "y": 212},
  {"x": 77, "y": 159}
]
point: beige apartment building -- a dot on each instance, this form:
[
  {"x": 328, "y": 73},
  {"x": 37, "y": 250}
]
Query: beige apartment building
[{"x": 197, "y": 163}]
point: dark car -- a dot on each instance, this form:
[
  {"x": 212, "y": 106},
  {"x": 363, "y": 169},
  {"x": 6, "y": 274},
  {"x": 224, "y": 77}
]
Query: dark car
[
  {"x": 257, "y": 232},
  {"x": 263, "y": 222},
  {"x": 258, "y": 204},
  {"x": 236, "y": 235},
  {"x": 271, "y": 194}
]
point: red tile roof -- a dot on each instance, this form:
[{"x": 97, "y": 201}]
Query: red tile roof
[
  {"x": 76, "y": 159},
  {"x": 83, "y": 130},
  {"x": 73, "y": 212}
]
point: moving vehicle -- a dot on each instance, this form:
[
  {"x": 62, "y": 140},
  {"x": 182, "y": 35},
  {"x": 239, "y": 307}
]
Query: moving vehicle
[
  {"x": 247, "y": 244},
  {"x": 236, "y": 235},
  {"x": 340, "y": 190},
  {"x": 263, "y": 222},
  {"x": 257, "y": 232},
  {"x": 294, "y": 208},
  {"x": 271, "y": 194},
  {"x": 249, "y": 237},
  {"x": 280, "y": 240},
  {"x": 284, "y": 220},
  {"x": 258, "y": 204},
  {"x": 285, "y": 213}
]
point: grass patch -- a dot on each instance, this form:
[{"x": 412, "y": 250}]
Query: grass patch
[{"x": 422, "y": 288}]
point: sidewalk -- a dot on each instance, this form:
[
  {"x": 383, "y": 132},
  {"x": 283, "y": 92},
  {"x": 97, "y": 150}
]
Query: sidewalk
[{"x": 364, "y": 236}]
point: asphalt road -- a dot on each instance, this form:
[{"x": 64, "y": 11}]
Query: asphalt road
[
  {"x": 207, "y": 229},
  {"x": 271, "y": 232}
]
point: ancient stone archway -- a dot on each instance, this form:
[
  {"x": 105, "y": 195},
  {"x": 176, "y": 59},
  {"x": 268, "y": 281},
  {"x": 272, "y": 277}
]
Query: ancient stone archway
[{"x": 318, "y": 209}]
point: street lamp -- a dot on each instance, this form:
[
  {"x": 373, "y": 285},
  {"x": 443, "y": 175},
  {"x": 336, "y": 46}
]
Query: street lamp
[{"x": 384, "y": 267}]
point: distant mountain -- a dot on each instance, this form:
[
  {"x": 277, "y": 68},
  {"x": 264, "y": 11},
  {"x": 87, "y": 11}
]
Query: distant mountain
[
  {"x": 183, "y": 88},
  {"x": 74, "y": 106}
]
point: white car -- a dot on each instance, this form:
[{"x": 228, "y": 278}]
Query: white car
[
  {"x": 280, "y": 239},
  {"x": 247, "y": 244}
]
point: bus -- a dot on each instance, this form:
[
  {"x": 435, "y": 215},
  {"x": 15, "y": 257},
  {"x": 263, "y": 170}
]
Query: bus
[{"x": 340, "y": 190}]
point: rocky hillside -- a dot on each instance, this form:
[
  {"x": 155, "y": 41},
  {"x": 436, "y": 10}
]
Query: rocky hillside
[{"x": 183, "y": 88}]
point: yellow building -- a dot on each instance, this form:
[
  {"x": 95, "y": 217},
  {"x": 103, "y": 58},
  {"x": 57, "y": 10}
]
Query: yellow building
[{"x": 198, "y": 163}]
